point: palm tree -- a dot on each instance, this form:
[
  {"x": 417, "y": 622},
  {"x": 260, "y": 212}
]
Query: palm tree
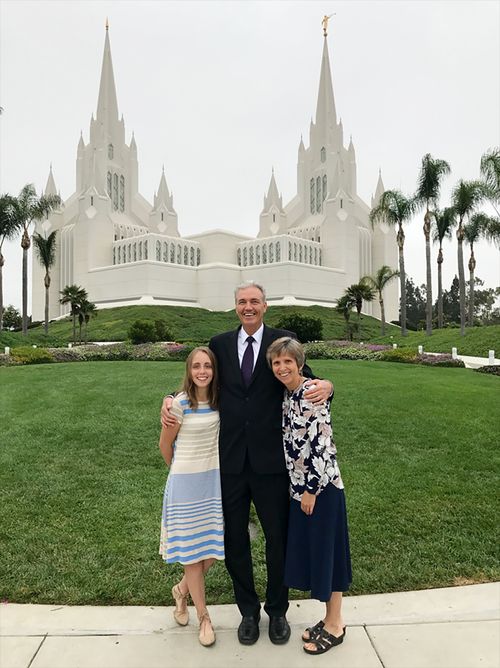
[
  {"x": 357, "y": 293},
  {"x": 492, "y": 229},
  {"x": 394, "y": 208},
  {"x": 444, "y": 221},
  {"x": 45, "y": 248},
  {"x": 85, "y": 311},
  {"x": 74, "y": 295},
  {"x": 378, "y": 282},
  {"x": 344, "y": 306},
  {"x": 466, "y": 196},
  {"x": 28, "y": 208},
  {"x": 473, "y": 231},
  {"x": 8, "y": 229},
  {"x": 490, "y": 171},
  {"x": 427, "y": 195}
]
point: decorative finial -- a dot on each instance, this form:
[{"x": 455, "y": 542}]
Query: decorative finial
[
  {"x": 163, "y": 168},
  {"x": 324, "y": 23},
  {"x": 107, "y": 24},
  {"x": 272, "y": 169},
  {"x": 51, "y": 166}
]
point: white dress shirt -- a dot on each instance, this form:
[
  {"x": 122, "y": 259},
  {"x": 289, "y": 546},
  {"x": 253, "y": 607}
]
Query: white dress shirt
[{"x": 242, "y": 343}]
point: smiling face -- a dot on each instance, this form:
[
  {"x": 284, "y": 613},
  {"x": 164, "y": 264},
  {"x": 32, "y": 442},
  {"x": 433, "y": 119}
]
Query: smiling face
[
  {"x": 201, "y": 370},
  {"x": 287, "y": 371},
  {"x": 250, "y": 308}
]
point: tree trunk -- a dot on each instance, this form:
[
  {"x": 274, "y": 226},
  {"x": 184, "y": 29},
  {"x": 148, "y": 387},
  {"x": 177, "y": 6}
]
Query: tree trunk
[
  {"x": 25, "y": 244},
  {"x": 2, "y": 262},
  {"x": 461, "y": 276},
  {"x": 46, "y": 282},
  {"x": 382, "y": 312},
  {"x": 74, "y": 329},
  {"x": 472, "y": 267},
  {"x": 402, "y": 280},
  {"x": 428, "y": 310},
  {"x": 440, "y": 288}
]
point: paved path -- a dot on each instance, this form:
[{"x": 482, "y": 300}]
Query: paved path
[{"x": 456, "y": 627}]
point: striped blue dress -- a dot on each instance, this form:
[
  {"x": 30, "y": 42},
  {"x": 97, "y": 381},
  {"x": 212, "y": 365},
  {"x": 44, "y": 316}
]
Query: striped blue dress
[{"x": 192, "y": 527}]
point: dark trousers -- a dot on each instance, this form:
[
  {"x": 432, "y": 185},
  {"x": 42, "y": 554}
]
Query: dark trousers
[{"x": 270, "y": 496}]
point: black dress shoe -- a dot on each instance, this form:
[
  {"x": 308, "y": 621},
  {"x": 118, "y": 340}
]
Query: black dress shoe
[
  {"x": 279, "y": 630},
  {"x": 248, "y": 630}
]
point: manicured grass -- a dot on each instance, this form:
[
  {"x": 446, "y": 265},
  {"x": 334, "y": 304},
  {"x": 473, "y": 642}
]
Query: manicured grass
[{"x": 82, "y": 480}]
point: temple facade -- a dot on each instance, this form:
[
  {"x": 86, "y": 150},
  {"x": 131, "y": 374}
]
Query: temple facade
[{"x": 125, "y": 250}]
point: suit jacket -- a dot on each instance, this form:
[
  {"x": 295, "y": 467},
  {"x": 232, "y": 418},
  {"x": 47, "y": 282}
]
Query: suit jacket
[{"x": 250, "y": 417}]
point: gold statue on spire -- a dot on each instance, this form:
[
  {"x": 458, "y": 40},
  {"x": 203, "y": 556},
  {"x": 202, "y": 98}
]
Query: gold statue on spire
[{"x": 324, "y": 23}]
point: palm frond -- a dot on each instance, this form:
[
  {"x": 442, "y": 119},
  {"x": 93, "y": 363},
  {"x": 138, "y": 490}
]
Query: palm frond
[
  {"x": 45, "y": 249},
  {"x": 431, "y": 173},
  {"x": 444, "y": 222}
]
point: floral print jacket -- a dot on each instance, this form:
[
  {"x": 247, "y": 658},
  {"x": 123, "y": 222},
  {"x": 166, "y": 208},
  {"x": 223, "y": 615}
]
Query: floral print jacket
[{"x": 310, "y": 452}]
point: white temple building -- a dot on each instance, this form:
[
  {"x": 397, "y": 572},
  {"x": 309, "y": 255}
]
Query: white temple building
[{"x": 124, "y": 250}]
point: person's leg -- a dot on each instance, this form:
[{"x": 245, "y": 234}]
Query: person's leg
[
  {"x": 333, "y": 621},
  {"x": 236, "y": 507},
  {"x": 195, "y": 579},
  {"x": 270, "y": 494}
]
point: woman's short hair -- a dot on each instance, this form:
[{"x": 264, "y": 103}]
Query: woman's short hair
[{"x": 289, "y": 346}]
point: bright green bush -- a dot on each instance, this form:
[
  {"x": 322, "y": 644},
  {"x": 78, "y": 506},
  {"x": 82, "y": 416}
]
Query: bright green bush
[
  {"x": 404, "y": 355},
  {"x": 31, "y": 355},
  {"x": 306, "y": 327},
  {"x": 142, "y": 331}
]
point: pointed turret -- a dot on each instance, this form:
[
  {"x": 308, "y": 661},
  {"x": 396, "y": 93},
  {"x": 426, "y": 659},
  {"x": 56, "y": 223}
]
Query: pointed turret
[
  {"x": 272, "y": 217},
  {"x": 133, "y": 145},
  {"x": 81, "y": 144},
  {"x": 273, "y": 197},
  {"x": 163, "y": 196},
  {"x": 107, "y": 105},
  {"x": 351, "y": 148},
  {"x": 379, "y": 190},
  {"x": 326, "y": 117},
  {"x": 50, "y": 188},
  {"x": 302, "y": 148},
  {"x": 163, "y": 216}
]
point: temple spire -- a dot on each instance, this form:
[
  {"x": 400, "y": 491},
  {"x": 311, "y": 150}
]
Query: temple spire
[
  {"x": 50, "y": 188},
  {"x": 326, "y": 116},
  {"x": 273, "y": 196},
  {"x": 379, "y": 190},
  {"x": 107, "y": 105}
]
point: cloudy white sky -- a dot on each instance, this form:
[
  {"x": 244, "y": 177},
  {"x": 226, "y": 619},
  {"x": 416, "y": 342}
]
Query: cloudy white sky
[{"x": 219, "y": 92}]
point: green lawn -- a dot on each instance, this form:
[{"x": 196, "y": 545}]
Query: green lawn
[{"x": 82, "y": 480}]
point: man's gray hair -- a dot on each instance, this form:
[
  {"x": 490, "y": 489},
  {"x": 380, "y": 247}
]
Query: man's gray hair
[{"x": 249, "y": 284}]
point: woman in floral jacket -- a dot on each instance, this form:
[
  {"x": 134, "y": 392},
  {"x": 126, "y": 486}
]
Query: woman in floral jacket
[{"x": 318, "y": 557}]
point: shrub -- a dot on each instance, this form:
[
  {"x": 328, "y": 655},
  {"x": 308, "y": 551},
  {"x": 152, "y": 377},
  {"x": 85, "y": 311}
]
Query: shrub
[
  {"x": 493, "y": 369},
  {"x": 31, "y": 355},
  {"x": 142, "y": 331},
  {"x": 440, "y": 360},
  {"x": 404, "y": 355},
  {"x": 306, "y": 327},
  {"x": 323, "y": 351},
  {"x": 163, "y": 333}
]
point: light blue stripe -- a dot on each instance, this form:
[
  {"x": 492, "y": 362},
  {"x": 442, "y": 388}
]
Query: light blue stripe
[
  {"x": 205, "y": 543},
  {"x": 172, "y": 536},
  {"x": 195, "y": 557},
  {"x": 197, "y": 411}
]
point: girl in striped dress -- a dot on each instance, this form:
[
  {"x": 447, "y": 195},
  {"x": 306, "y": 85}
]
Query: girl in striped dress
[{"x": 192, "y": 524}]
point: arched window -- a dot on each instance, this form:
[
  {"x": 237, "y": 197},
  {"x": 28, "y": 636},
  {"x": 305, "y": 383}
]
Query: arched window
[
  {"x": 110, "y": 152},
  {"x": 238, "y": 256},
  {"x": 145, "y": 250},
  {"x": 311, "y": 195},
  {"x": 251, "y": 256},
  {"x": 324, "y": 187},
  {"x": 162, "y": 216},
  {"x": 191, "y": 256},
  {"x": 319, "y": 256},
  {"x": 110, "y": 179},
  {"x": 245, "y": 257},
  {"x": 289, "y": 250},
  {"x": 257, "y": 255},
  {"x": 186, "y": 258},
  {"x": 165, "y": 251},
  {"x": 295, "y": 252},
  {"x": 271, "y": 252},
  {"x": 315, "y": 256},
  {"x": 319, "y": 199},
  {"x": 119, "y": 255},
  {"x": 198, "y": 256},
  {"x": 114, "y": 255},
  {"x": 134, "y": 251},
  {"x": 172, "y": 253},
  {"x": 310, "y": 255},
  {"x": 179, "y": 254},
  {"x": 129, "y": 253},
  {"x": 323, "y": 154},
  {"x": 278, "y": 252},
  {"x": 140, "y": 250},
  {"x": 300, "y": 253},
  {"x": 115, "y": 191},
  {"x": 122, "y": 193},
  {"x": 264, "y": 254}
]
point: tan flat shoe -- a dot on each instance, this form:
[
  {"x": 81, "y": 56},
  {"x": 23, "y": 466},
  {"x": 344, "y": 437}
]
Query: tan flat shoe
[
  {"x": 181, "y": 612},
  {"x": 207, "y": 633}
]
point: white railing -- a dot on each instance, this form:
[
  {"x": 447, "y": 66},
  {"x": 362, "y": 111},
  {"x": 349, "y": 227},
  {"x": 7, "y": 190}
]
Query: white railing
[
  {"x": 282, "y": 248},
  {"x": 156, "y": 247}
]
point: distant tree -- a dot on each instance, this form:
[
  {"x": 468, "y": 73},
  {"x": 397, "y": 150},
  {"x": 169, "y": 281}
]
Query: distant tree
[
  {"x": 344, "y": 306},
  {"x": 142, "y": 331},
  {"x": 45, "y": 249},
  {"x": 485, "y": 312},
  {"x": 8, "y": 230},
  {"x": 378, "y": 282},
  {"x": 28, "y": 208},
  {"x": 416, "y": 304},
  {"x": 451, "y": 302},
  {"x": 163, "y": 332},
  {"x": 74, "y": 295},
  {"x": 358, "y": 293},
  {"x": 395, "y": 209},
  {"x": 473, "y": 231},
  {"x": 466, "y": 197},
  {"x": 12, "y": 318},
  {"x": 306, "y": 327},
  {"x": 490, "y": 171},
  {"x": 432, "y": 171},
  {"x": 444, "y": 221}
]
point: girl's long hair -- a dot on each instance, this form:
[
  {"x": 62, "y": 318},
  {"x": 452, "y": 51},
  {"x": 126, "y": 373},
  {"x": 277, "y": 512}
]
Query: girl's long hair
[{"x": 188, "y": 385}]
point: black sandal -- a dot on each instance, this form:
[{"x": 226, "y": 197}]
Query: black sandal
[
  {"x": 313, "y": 631},
  {"x": 324, "y": 641}
]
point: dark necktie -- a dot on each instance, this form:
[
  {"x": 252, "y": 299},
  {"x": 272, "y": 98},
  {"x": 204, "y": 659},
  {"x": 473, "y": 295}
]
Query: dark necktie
[{"x": 247, "y": 361}]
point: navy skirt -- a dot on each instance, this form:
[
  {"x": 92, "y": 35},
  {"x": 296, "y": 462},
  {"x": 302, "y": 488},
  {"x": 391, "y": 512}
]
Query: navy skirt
[{"x": 317, "y": 554}]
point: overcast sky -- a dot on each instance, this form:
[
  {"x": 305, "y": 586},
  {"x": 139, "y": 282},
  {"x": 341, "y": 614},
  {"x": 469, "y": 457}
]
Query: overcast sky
[{"x": 220, "y": 92}]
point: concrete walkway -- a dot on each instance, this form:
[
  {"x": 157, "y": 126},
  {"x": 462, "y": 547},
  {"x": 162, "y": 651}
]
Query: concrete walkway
[{"x": 456, "y": 627}]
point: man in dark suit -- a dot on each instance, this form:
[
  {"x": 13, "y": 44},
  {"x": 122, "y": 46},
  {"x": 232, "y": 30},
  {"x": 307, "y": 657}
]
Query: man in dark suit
[{"x": 252, "y": 462}]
